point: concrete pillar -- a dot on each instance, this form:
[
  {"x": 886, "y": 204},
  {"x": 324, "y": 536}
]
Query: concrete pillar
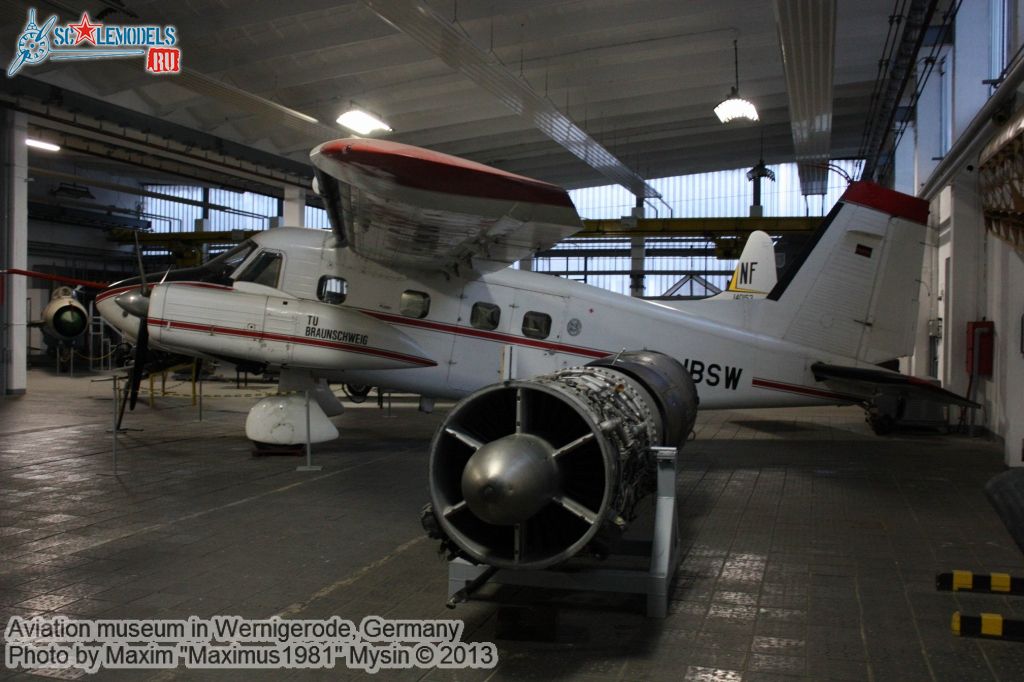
[
  {"x": 1006, "y": 280},
  {"x": 964, "y": 289},
  {"x": 637, "y": 252},
  {"x": 294, "y": 207},
  {"x": 14, "y": 251}
]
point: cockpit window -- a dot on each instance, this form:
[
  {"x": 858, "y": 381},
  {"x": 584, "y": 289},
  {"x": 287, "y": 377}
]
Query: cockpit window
[
  {"x": 232, "y": 258},
  {"x": 217, "y": 270},
  {"x": 264, "y": 269}
]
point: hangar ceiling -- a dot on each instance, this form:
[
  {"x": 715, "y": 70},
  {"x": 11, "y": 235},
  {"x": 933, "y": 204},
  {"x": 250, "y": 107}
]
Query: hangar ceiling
[{"x": 639, "y": 76}]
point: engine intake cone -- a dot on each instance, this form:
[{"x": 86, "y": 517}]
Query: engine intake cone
[{"x": 509, "y": 480}]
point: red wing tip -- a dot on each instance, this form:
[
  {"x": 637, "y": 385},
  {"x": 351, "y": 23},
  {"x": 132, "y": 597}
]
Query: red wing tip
[
  {"x": 896, "y": 204},
  {"x": 89, "y": 284},
  {"x": 355, "y": 146}
]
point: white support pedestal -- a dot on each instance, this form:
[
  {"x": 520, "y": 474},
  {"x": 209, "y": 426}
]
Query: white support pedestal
[{"x": 663, "y": 549}]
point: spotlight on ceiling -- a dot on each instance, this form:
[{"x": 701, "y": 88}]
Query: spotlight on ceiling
[
  {"x": 362, "y": 123},
  {"x": 735, "y": 107},
  {"x": 39, "y": 144},
  {"x": 71, "y": 191}
]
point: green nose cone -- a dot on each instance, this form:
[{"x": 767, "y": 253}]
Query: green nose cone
[{"x": 69, "y": 322}]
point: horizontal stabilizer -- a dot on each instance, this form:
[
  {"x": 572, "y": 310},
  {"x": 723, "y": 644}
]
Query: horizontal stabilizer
[{"x": 871, "y": 383}]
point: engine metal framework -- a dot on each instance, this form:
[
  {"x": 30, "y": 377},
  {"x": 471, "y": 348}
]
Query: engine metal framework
[{"x": 655, "y": 582}]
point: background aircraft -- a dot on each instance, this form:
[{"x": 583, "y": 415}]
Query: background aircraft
[{"x": 755, "y": 274}]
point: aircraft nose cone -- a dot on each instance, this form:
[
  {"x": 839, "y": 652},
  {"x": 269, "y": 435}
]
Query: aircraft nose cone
[
  {"x": 509, "y": 480},
  {"x": 134, "y": 303}
]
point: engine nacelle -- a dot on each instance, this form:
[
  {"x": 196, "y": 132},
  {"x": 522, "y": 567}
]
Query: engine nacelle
[
  {"x": 65, "y": 318},
  {"x": 526, "y": 474}
]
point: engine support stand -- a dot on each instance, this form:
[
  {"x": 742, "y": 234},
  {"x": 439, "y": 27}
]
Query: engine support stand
[{"x": 655, "y": 582}]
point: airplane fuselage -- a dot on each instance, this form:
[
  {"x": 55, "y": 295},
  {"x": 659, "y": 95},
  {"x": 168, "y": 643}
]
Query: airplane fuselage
[{"x": 445, "y": 336}]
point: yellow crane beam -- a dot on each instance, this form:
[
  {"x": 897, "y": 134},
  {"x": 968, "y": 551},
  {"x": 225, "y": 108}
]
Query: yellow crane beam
[
  {"x": 689, "y": 227},
  {"x": 185, "y": 246}
]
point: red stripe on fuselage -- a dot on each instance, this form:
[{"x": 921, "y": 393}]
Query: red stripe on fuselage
[
  {"x": 802, "y": 390},
  {"x": 488, "y": 335},
  {"x": 298, "y": 340}
]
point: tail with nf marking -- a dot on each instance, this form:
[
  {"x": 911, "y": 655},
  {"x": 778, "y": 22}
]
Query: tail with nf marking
[{"x": 755, "y": 273}]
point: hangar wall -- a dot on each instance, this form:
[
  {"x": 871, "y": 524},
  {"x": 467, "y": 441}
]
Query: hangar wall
[{"x": 969, "y": 273}]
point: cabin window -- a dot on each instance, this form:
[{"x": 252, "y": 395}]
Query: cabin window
[
  {"x": 415, "y": 304},
  {"x": 536, "y": 325},
  {"x": 484, "y": 316},
  {"x": 332, "y": 290},
  {"x": 264, "y": 269}
]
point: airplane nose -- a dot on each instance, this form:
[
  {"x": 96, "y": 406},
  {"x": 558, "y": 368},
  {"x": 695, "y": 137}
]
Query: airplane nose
[{"x": 134, "y": 303}]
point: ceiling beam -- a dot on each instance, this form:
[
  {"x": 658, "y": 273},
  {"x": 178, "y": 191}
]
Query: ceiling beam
[
  {"x": 420, "y": 22},
  {"x": 807, "y": 38}
]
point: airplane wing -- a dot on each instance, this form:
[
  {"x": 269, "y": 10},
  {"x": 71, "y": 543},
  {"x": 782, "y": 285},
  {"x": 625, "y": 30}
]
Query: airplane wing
[
  {"x": 872, "y": 383},
  {"x": 87, "y": 283},
  {"x": 405, "y": 206}
]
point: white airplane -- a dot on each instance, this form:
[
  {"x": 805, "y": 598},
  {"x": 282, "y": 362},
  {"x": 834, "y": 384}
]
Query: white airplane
[{"x": 412, "y": 291}]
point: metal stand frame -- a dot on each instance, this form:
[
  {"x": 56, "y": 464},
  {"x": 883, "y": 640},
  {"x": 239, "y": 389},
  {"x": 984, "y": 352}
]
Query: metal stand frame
[
  {"x": 308, "y": 466},
  {"x": 663, "y": 548}
]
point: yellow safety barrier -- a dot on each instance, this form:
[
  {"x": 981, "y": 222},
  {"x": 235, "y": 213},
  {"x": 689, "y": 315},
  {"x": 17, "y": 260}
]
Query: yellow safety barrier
[{"x": 992, "y": 624}]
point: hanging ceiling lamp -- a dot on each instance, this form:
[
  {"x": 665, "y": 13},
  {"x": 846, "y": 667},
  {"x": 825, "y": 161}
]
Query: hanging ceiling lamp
[{"x": 734, "y": 107}]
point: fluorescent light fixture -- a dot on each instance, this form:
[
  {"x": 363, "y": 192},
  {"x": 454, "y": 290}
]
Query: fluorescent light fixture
[
  {"x": 362, "y": 123},
  {"x": 305, "y": 117},
  {"x": 736, "y": 107},
  {"x": 39, "y": 144}
]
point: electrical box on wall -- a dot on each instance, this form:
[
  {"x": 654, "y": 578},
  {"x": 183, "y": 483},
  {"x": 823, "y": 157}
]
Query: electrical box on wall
[{"x": 980, "y": 344}]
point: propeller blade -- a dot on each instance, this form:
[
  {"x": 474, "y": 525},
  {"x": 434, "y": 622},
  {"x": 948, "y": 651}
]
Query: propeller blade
[
  {"x": 142, "y": 272},
  {"x": 46, "y": 27},
  {"x": 138, "y": 368},
  {"x": 17, "y": 63}
]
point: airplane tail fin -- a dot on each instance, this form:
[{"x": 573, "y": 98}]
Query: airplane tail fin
[
  {"x": 755, "y": 273},
  {"x": 854, "y": 292}
]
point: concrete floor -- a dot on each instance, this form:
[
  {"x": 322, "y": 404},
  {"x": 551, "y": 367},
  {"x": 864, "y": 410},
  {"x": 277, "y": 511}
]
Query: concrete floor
[{"x": 811, "y": 544}]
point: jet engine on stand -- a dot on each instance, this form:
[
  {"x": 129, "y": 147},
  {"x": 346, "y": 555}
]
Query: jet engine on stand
[{"x": 528, "y": 473}]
